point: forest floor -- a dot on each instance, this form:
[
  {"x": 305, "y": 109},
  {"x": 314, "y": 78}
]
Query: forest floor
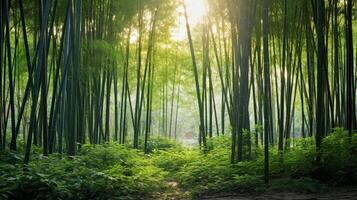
[
  {"x": 337, "y": 193},
  {"x": 345, "y": 193},
  {"x": 175, "y": 172}
]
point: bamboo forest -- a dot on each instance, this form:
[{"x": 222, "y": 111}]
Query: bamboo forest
[{"x": 178, "y": 99}]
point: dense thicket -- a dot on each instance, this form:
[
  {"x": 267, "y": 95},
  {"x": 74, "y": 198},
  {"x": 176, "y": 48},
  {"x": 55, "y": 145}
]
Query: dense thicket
[
  {"x": 266, "y": 73},
  {"x": 171, "y": 171},
  {"x": 77, "y": 54}
]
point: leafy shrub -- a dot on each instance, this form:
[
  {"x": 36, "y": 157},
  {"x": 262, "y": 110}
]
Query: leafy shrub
[
  {"x": 221, "y": 142},
  {"x": 114, "y": 171},
  {"x": 248, "y": 183},
  {"x": 338, "y": 157},
  {"x": 301, "y": 160},
  {"x": 212, "y": 172},
  {"x": 174, "y": 160},
  {"x": 158, "y": 143},
  {"x": 105, "y": 156},
  {"x": 98, "y": 172}
]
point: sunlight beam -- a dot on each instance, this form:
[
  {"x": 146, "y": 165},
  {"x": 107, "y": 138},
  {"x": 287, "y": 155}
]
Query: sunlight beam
[{"x": 196, "y": 10}]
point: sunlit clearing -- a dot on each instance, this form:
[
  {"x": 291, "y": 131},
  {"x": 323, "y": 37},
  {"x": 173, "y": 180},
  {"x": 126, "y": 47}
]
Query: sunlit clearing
[{"x": 196, "y": 9}]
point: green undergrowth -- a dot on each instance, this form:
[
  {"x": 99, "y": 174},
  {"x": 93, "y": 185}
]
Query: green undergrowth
[
  {"x": 109, "y": 171},
  {"x": 113, "y": 171},
  {"x": 298, "y": 169}
]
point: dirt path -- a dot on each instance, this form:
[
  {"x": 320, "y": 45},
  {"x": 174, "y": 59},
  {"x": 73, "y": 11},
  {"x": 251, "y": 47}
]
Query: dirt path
[{"x": 347, "y": 193}]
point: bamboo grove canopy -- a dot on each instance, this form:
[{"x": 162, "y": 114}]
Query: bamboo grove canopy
[{"x": 96, "y": 71}]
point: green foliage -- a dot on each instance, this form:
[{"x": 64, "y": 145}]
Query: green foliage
[
  {"x": 219, "y": 143},
  {"x": 300, "y": 161},
  {"x": 113, "y": 171},
  {"x": 212, "y": 172},
  {"x": 160, "y": 144},
  {"x": 303, "y": 184},
  {"x": 101, "y": 172},
  {"x": 105, "y": 156},
  {"x": 338, "y": 157},
  {"x": 175, "y": 160}
]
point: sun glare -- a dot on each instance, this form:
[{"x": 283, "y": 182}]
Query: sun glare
[{"x": 196, "y": 9}]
